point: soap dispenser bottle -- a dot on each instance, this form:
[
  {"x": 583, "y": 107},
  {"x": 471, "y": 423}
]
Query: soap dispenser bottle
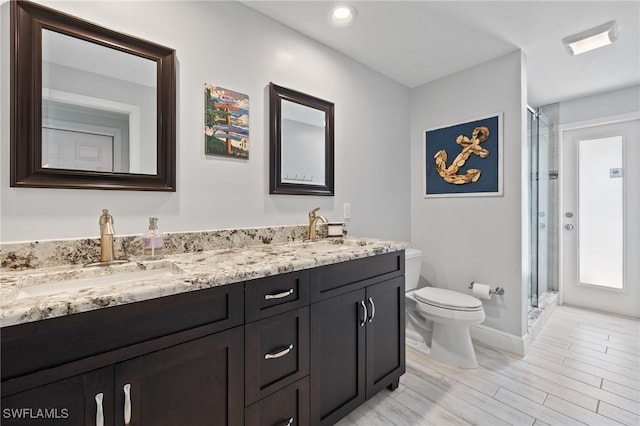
[{"x": 152, "y": 241}]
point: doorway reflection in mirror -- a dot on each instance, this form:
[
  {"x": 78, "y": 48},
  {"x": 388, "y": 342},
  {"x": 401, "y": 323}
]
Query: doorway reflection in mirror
[{"x": 98, "y": 107}]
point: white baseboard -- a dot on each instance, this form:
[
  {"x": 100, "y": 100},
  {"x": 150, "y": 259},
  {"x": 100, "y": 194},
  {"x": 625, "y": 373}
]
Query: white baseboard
[
  {"x": 539, "y": 323},
  {"x": 497, "y": 339}
]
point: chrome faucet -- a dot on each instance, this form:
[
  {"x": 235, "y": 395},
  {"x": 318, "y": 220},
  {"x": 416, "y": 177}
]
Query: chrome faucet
[
  {"x": 313, "y": 221},
  {"x": 106, "y": 236}
]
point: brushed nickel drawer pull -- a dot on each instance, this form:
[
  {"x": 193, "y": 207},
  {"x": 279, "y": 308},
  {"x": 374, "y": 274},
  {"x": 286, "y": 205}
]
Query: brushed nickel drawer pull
[
  {"x": 127, "y": 404},
  {"x": 364, "y": 314},
  {"x": 278, "y": 295},
  {"x": 99, "y": 410},
  {"x": 373, "y": 310},
  {"x": 279, "y": 354},
  {"x": 290, "y": 422}
]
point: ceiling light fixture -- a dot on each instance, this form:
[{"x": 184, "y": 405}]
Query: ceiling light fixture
[
  {"x": 342, "y": 15},
  {"x": 594, "y": 38}
]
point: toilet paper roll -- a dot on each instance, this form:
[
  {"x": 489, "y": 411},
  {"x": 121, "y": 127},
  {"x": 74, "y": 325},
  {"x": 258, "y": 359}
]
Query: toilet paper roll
[{"x": 481, "y": 290}]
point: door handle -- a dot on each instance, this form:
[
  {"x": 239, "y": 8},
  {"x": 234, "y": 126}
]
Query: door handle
[
  {"x": 373, "y": 310},
  {"x": 127, "y": 403},
  {"x": 279, "y": 354},
  {"x": 99, "y": 410},
  {"x": 364, "y": 314}
]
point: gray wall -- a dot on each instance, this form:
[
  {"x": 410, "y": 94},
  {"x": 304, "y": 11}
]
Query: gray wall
[
  {"x": 232, "y": 46},
  {"x": 481, "y": 239},
  {"x": 606, "y": 104}
]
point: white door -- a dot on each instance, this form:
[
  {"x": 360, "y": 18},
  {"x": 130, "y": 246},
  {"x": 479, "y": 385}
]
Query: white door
[
  {"x": 77, "y": 150},
  {"x": 600, "y": 208}
]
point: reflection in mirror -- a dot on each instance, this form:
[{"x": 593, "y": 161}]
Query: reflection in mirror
[
  {"x": 301, "y": 143},
  {"x": 90, "y": 107},
  {"x": 98, "y": 107},
  {"x": 302, "y": 161}
]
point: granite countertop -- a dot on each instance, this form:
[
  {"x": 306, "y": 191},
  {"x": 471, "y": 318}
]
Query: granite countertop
[{"x": 27, "y": 296}]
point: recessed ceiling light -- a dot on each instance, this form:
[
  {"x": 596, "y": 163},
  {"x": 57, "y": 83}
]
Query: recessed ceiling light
[
  {"x": 342, "y": 15},
  {"x": 593, "y": 38}
]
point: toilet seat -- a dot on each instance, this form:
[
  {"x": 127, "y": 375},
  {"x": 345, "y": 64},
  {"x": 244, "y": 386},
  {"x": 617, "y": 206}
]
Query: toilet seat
[{"x": 447, "y": 299}]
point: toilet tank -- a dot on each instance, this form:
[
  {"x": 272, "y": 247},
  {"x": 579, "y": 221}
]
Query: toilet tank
[{"x": 412, "y": 264}]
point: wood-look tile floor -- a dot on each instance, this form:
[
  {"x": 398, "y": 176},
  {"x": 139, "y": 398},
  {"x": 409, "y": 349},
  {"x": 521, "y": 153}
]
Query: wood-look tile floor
[{"x": 583, "y": 368}]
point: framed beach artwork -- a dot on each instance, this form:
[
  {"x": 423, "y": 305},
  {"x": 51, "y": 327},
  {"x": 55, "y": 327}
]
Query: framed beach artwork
[
  {"x": 464, "y": 160},
  {"x": 226, "y": 122}
]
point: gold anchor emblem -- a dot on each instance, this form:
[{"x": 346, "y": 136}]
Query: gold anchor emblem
[{"x": 470, "y": 146}]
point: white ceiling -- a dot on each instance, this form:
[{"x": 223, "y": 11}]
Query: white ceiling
[{"x": 415, "y": 42}]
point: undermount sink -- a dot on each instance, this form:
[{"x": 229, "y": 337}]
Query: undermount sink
[{"x": 94, "y": 277}]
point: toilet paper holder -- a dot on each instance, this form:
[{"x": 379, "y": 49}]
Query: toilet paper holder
[{"x": 499, "y": 290}]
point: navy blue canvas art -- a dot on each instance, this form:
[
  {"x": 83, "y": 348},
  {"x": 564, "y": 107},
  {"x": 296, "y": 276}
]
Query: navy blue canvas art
[{"x": 464, "y": 159}]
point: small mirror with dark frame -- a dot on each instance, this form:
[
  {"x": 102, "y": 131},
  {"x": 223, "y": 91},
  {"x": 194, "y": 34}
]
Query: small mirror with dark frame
[
  {"x": 91, "y": 108},
  {"x": 301, "y": 143}
]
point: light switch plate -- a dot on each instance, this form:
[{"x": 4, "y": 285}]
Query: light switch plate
[{"x": 347, "y": 210}]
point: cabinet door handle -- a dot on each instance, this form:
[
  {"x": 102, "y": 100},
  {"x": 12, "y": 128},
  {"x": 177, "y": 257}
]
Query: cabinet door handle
[
  {"x": 364, "y": 314},
  {"x": 290, "y": 422},
  {"x": 278, "y": 295},
  {"x": 373, "y": 310},
  {"x": 279, "y": 354},
  {"x": 127, "y": 403},
  {"x": 99, "y": 410}
]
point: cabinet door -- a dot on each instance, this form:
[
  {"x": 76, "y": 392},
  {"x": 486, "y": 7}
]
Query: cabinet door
[
  {"x": 337, "y": 357},
  {"x": 68, "y": 402},
  {"x": 385, "y": 335},
  {"x": 196, "y": 383}
]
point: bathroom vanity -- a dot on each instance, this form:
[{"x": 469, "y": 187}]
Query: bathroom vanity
[{"x": 290, "y": 334}]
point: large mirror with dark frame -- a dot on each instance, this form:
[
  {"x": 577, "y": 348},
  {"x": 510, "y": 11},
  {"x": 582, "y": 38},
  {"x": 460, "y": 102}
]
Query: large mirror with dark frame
[
  {"x": 91, "y": 107},
  {"x": 301, "y": 143}
]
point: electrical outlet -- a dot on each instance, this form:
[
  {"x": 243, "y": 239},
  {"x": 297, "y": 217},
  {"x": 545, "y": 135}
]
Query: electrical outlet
[{"x": 347, "y": 210}]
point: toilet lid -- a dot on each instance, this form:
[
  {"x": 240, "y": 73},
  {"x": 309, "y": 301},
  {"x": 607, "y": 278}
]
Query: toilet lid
[{"x": 447, "y": 298}]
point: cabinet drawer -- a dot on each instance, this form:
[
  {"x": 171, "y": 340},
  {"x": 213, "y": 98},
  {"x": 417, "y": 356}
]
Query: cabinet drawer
[
  {"x": 74, "y": 337},
  {"x": 280, "y": 408},
  {"x": 277, "y": 294},
  {"x": 276, "y": 353},
  {"x": 339, "y": 278}
]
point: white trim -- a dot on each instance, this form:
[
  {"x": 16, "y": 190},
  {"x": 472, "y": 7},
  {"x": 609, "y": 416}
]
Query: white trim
[
  {"x": 576, "y": 126},
  {"x": 497, "y": 339},
  {"x": 539, "y": 323},
  {"x": 499, "y": 192},
  {"x": 562, "y": 128}
]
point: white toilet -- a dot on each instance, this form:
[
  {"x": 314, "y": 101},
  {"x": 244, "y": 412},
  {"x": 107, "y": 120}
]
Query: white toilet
[{"x": 442, "y": 317}]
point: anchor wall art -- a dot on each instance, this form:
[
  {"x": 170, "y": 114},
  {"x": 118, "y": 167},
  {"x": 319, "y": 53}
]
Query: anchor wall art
[
  {"x": 226, "y": 122},
  {"x": 464, "y": 159}
]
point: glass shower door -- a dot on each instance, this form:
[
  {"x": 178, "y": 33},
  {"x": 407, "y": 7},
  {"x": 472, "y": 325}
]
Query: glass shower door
[
  {"x": 539, "y": 133},
  {"x": 532, "y": 133}
]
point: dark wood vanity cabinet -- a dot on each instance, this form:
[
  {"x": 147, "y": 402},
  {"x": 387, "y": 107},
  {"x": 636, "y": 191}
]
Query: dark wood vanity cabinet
[
  {"x": 357, "y": 348},
  {"x": 194, "y": 383},
  {"x": 192, "y": 373},
  {"x": 70, "y": 402},
  {"x": 302, "y": 348}
]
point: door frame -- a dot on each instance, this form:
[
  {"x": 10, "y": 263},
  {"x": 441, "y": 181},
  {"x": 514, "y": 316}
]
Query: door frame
[{"x": 577, "y": 125}]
